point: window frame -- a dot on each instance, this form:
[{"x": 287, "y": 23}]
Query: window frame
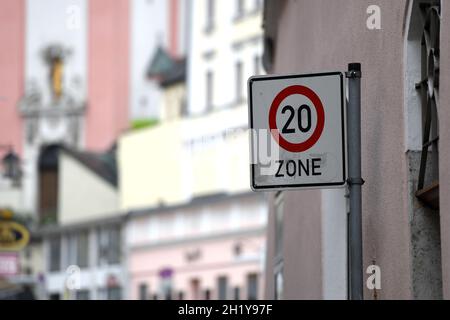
[
  {"x": 143, "y": 291},
  {"x": 252, "y": 283},
  {"x": 54, "y": 266},
  {"x": 239, "y": 77},
  {"x": 222, "y": 287},
  {"x": 209, "y": 103},
  {"x": 82, "y": 253},
  {"x": 428, "y": 87},
  {"x": 210, "y": 15}
]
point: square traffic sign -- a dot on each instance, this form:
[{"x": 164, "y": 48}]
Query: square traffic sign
[{"x": 297, "y": 131}]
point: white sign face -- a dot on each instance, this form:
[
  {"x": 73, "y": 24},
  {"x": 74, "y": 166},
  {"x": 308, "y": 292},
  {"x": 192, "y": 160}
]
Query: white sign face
[{"x": 297, "y": 131}]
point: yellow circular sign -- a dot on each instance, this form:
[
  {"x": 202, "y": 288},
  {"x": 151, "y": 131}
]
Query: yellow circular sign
[{"x": 13, "y": 236}]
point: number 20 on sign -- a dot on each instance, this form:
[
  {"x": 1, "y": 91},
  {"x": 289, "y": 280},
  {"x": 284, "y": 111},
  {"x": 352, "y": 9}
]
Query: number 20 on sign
[{"x": 297, "y": 131}]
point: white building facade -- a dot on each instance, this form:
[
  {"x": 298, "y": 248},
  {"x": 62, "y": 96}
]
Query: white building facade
[
  {"x": 83, "y": 254},
  {"x": 226, "y": 48}
]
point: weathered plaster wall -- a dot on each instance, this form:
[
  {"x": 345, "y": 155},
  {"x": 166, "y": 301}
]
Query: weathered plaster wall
[{"x": 322, "y": 35}]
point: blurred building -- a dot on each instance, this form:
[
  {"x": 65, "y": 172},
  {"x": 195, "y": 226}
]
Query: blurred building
[
  {"x": 154, "y": 25},
  {"x": 404, "y": 149},
  {"x": 184, "y": 182},
  {"x": 71, "y": 72},
  {"x": 69, "y": 67},
  {"x": 82, "y": 253},
  {"x": 226, "y": 47},
  {"x": 77, "y": 74},
  {"x": 73, "y": 78}
]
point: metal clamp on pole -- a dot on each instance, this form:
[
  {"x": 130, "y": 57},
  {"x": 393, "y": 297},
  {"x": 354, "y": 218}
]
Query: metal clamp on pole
[
  {"x": 351, "y": 181},
  {"x": 353, "y": 73},
  {"x": 355, "y": 180}
]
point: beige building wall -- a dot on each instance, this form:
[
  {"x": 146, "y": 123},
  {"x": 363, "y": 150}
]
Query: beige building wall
[
  {"x": 84, "y": 196},
  {"x": 174, "y": 98},
  {"x": 11, "y": 197},
  {"x": 188, "y": 157},
  {"x": 321, "y": 35}
]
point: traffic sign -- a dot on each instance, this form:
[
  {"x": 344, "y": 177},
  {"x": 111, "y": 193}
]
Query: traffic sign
[{"x": 297, "y": 131}]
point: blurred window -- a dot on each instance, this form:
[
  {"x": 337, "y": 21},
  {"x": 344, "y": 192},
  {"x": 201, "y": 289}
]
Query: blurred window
[
  {"x": 114, "y": 293},
  {"x": 166, "y": 286},
  {"x": 180, "y": 295},
  {"x": 252, "y": 286},
  {"x": 110, "y": 293},
  {"x": 48, "y": 183},
  {"x": 210, "y": 15},
  {"x": 240, "y": 7},
  {"x": 207, "y": 294},
  {"x": 143, "y": 291},
  {"x": 48, "y": 195},
  {"x": 82, "y": 295},
  {"x": 83, "y": 250},
  {"x": 70, "y": 252},
  {"x": 237, "y": 293},
  {"x": 184, "y": 107},
  {"x": 209, "y": 90},
  {"x": 195, "y": 289},
  {"x": 109, "y": 245},
  {"x": 55, "y": 254},
  {"x": 239, "y": 75},
  {"x": 54, "y": 296},
  {"x": 237, "y": 249},
  {"x": 77, "y": 250},
  {"x": 258, "y": 4},
  {"x": 222, "y": 284},
  {"x": 257, "y": 65}
]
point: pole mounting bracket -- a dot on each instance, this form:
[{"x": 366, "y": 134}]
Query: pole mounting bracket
[
  {"x": 353, "y": 74},
  {"x": 354, "y": 71},
  {"x": 355, "y": 181}
]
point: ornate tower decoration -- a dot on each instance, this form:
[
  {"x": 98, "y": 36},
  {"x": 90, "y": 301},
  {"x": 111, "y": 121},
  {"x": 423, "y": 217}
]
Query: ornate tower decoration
[
  {"x": 53, "y": 112},
  {"x": 54, "y": 56},
  {"x": 52, "y": 109}
]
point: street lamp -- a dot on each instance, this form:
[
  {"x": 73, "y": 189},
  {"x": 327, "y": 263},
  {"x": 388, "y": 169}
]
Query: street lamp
[{"x": 11, "y": 164}]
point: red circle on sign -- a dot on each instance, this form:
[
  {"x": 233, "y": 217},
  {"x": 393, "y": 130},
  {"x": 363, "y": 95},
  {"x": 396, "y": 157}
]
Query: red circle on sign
[{"x": 311, "y": 95}]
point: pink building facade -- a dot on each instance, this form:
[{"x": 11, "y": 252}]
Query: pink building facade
[
  {"x": 106, "y": 45},
  {"x": 108, "y": 72},
  {"x": 12, "y": 32},
  {"x": 210, "y": 248}
]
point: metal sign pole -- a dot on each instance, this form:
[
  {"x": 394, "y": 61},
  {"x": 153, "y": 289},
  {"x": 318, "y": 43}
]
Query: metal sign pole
[{"x": 355, "y": 180}]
